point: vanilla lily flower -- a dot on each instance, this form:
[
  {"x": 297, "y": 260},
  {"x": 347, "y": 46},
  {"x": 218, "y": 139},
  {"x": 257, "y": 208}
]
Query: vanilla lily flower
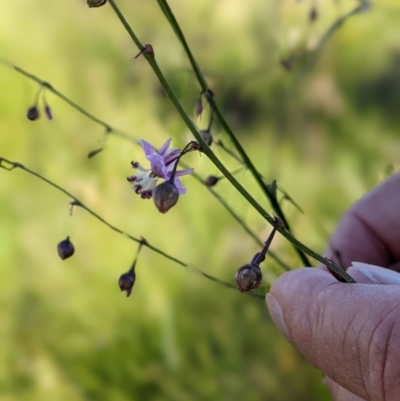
[{"x": 162, "y": 163}]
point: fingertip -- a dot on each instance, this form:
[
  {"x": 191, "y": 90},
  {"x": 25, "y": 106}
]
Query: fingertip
[
  {"x": 299, "y": 281},
  {"x": 292, "y": 291}
]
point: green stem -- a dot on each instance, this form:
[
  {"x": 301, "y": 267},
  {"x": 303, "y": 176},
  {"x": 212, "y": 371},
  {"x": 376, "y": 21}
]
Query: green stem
[
  {"x": 210, "y": 98},
  {"x": 215, "y": 159},
  {"x": 114, "y": 131},
  {"x": 13, "y": 165},
  {"x": 242, "y": 223}
]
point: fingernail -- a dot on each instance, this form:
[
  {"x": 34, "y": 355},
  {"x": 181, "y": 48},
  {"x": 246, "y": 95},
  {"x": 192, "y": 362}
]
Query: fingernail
[
  {"x": 377, "y": 274},
  {"x": 276, "y": 314}
]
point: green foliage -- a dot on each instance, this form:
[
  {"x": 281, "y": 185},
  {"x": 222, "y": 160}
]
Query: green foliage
[{"x": 326, "y": 137}]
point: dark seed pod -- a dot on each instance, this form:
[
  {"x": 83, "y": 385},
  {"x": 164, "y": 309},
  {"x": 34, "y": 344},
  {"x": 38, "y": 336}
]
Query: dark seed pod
[
  {"x": 165, "y": 196},
  {"x": 248, "y": 278},
  {"x": 48, "y": 112},
  {"x": 95, "y": 152},
  {"x": 199, "y": 107},
  {"x": 211, "y": 180},
  {"x": 126, "y": 282},
  {"x": 96, "y": 3},
  {"x": 146, "y": 49},
  {"x": 149, "y": 50},
  {"x": 313, "y": 14},
  {"x": 33, "y": 113},
  {"x": 65, "y": 249}
]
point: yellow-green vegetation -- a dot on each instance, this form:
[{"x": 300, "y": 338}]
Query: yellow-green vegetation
[{"x": 326, "y": 135}]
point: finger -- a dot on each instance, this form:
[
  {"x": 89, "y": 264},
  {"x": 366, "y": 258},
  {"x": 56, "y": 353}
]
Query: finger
[
  {"x": 369, "y": 231},
  {"x": 338, "y": 393},
  {"x": 371, "y": 274},
  {"x": 349, "y": 331}
]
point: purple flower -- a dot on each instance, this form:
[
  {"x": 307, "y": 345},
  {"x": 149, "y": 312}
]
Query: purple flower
[{"x": 162, "y": 163}]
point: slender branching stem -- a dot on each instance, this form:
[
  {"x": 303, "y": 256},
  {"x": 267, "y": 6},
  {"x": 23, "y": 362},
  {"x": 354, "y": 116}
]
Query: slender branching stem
[
  {"x": 10, "y": 166},
  {"x": 210, "y": 98},
  {"x": 296, "y": 243},
  {"x": 116, "y": 132}
]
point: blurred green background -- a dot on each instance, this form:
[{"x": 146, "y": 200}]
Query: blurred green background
[{"x": 328, "y": 136}]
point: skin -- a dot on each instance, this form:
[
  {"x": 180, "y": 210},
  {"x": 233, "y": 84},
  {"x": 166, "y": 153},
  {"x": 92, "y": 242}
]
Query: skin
[{"x": 351, "y": 332}]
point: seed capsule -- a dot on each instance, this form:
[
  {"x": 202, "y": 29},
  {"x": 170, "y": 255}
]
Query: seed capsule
[
  {"x": 33, "y": 113},
  {"x": 48, "y": 112},
  {"x": 211, "y": 180},
  {"x": 248, "y": 278},
  {"x": 126, "y": 282},
  {"x": 65, "y": 249},
  {"x": 165, "y": 196},
  {"x": 96, "y": 3},
  {"x": 199, "y": 107}
]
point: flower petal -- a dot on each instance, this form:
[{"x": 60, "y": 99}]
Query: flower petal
[
  {"x": 158, "y": 166},
  {"x": 187, "y": 171},
  {"x": 171, "y": 155},
  {"x": 181, "y": 189},
  {"x": 147, "y": 148},
  {"x": 164, "y": 147}
]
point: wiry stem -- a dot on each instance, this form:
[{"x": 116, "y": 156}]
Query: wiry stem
[
  {"x": 116, "y": 132},
  {"x": 9, "y": 166},
  {"x": 215, "y": 110},
  {"x": 208, "y": 152},
  {"x": 206, "y": 149}
]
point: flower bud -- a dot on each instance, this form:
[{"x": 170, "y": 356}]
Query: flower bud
[
  {"x": 149, "y": 50},
  {"x": 199, "y": 107},
  {"x": 211, "y": 180},
  {"x": 146, "y": 49},
  {"x": 313, "y": 14},
  {"x": 95, "y": 152},
  {"x": 126, "y": 282},
  {"x": 248, "y": 278},
  {"x": 96, "y": 3},
  {"x": 65, "y": 249},
  {"x": 48, "y": 112},
  {"x": 33, "y": 113},
  {"x": 165, "y": 196},
  {"x": 207, "y": 136}
]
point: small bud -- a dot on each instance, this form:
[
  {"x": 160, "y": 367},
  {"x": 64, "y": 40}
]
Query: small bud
[
  {"x": 48, "y": 112},
  {"x": 65, "y": 249},
  {"x": 95, "y": 152},
  {"x": 96, "y": 3},
  {"x": 199, "y": 107},
  {"x": 313, "y": 14},
  {"x": 248, "y": 278},
  {"x": 146, "y": 49},
  {"x": 165, "y": 196},
  {"x": 126, "y": 282},
  {"x": 33, "y": 113},
  {"x": 211, "y": 180},
  {"x": 149, "y": 50},
  {"x": 207, "y": 136}
]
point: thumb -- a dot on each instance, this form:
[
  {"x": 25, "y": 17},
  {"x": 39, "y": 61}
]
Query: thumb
[{"x": 349, "y": 331}]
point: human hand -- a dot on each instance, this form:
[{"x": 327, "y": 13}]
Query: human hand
[{"x": 351, "y": 332}]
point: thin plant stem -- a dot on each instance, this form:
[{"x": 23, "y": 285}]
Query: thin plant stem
[
  {"x": 208, "y": 152},
  {"x": 116, "y": 132},
  {"x": 242, "y": 223},
  {"x": 126, "y": 136},
  {"x": 10, "y": 166},
  {"x": 313, "y": 55},
  {"x": 210, "y": 98}
]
